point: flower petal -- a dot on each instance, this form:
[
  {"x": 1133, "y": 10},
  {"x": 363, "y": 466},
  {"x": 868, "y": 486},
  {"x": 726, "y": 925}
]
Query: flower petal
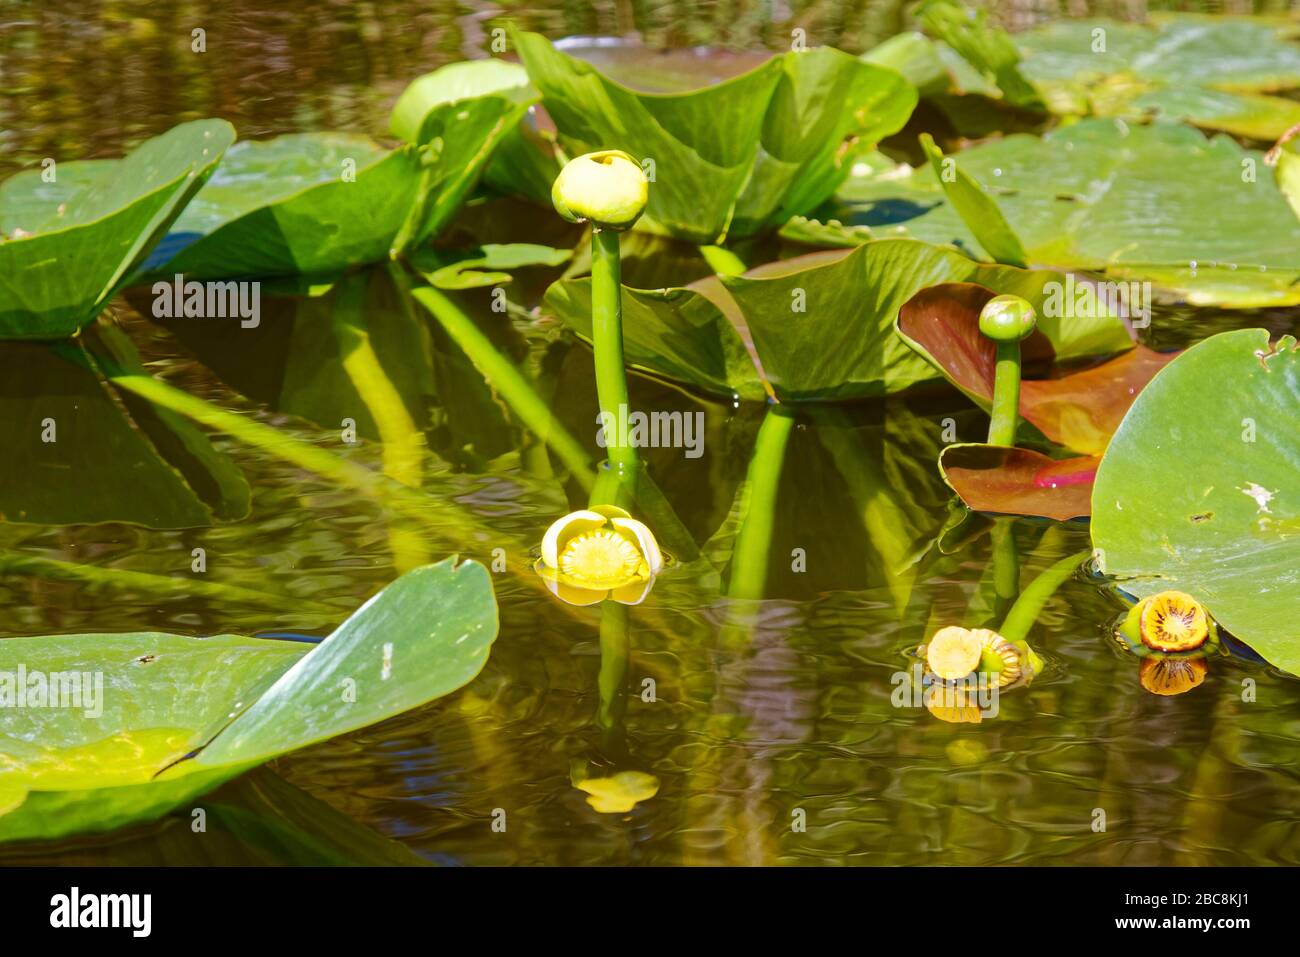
[
  {"x": 563, "y": 529},
  {"x": 633, "y": 593},
  {"x": 645, "y": 541}
]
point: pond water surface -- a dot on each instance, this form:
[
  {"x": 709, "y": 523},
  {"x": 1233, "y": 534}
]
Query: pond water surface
[{"x": 754, "y": 716}]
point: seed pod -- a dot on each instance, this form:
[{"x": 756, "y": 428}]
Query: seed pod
[
  {"x": 953, "y": 653},
  {"x": 1173, "y": 621}
]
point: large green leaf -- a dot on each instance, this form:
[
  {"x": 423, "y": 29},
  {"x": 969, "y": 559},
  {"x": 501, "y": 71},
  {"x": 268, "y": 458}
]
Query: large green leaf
[
  {"x": 179, "y": 715},
  {"x": 738, "y": 157},
  {"x": 1199, "y": 489},
  {"x": 822, "y": 326},
  {"x": 305, "y": 203},
  {"x": 1208, "y": 71},
  {"x": 1162, "y": 203},
  {"x": 67, "y": 246}
]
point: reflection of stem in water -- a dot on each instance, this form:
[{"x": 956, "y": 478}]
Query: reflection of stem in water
[
  {"x": 403, "y": 442},
  {"x": 754, "y": 539},
  {"x": 508, "y": 381},
  {"x": 722, "y": 260},
  {"x": 1211, "y": 789},
  {"x": 614, "y": 652},
  {"x": 161, "y": 585},
  {"x": 1006, "y": 563}
]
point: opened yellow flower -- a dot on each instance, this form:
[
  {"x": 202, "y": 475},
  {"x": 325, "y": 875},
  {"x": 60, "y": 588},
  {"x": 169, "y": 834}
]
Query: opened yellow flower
[{"x": 598, "y": 553}]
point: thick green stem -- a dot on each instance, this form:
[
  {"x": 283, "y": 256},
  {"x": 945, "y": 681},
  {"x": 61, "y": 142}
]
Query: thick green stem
[
  {"x": 722, "y": 260},
  {"x": 1030, "y": 604},
  {"x": 1004, "y": 417},
  {"x": 754, "y": 540},
  {"x": 508, "y": 381},
  {"x": 607, "y": 339}
]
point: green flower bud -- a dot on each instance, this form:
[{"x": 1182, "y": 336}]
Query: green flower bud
[
  {"x": 607, "y": 188},
  {"x": 1007, "y": 319}
]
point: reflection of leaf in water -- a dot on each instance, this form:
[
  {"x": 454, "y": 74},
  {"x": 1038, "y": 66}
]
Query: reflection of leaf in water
[{"x": 76, "y": 458}]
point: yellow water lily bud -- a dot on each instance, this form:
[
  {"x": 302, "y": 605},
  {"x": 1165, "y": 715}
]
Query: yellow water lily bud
[
  {"x": 608, "y": 189},
  {"x": 1173, "y": 621},
  {"x": 598, "y": 553}
]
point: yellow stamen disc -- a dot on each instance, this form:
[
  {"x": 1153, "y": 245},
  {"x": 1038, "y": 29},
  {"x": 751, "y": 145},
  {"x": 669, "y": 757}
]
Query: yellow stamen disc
[
  {"x": 601, "y": 557},
  {"x": 1173, "y": 621}
]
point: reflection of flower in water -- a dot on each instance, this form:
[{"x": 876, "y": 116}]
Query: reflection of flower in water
[
  {"x": 618, "y": 793},
  {"x": 598, "y": 553},
  {"x": 1171, "y": 676}
]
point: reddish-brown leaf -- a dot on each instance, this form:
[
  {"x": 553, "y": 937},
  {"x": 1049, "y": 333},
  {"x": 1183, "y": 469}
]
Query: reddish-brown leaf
[
  {"x": 993, "y": 478},
  {"x": 1080, "y": 410}
]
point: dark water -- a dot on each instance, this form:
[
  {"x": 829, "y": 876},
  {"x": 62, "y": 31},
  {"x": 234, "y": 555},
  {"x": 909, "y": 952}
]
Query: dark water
[{"x": 765, "y": 713}]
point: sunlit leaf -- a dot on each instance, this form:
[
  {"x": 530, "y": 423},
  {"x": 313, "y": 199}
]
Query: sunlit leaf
[{"x": 1199, "y": 490}]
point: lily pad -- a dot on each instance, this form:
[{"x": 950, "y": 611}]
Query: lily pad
[
  {"x": 319, "y": 203},
  {"x": 1209, "y": 72},
  {"x": 733, "y": 159},
  {"x": 822, "y": 325},
  {"x": 1199, "y": 489},
  {"x": 1104, "y": 196},
  {"x": 67, "y": 246},
  {"x": 178, "y": 715}
]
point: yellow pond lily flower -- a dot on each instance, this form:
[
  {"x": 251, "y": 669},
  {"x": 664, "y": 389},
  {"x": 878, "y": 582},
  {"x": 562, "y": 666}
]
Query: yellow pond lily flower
[
  {"x": 955, "y": 654},
  {"x": 597, "y": 553}
]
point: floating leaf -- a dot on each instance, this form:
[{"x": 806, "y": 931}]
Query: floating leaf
[
  {"x": 305, "y": 203},
  {"x": 1127, "y": 201},
  {"x": 66, "y": 247},
  {"x": 1209, "y": 72},
  {"x": 736, "y": 158},
  {"x": 1199, "y": 490},
  {"x": 177, "y": 715},
  {"x": 1014, "y": 481}
]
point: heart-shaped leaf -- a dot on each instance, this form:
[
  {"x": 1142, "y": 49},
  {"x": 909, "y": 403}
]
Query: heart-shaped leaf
[
  {"x": 1014, "y": 481},
  {"x": 1104, "y": 196},
  {"x": 67, "y": 246},
  {"x": 822, "y": 325},
  {"x": 1199, "y": 490},
  {"x": 1078, "y": 409},
  {"x": 735, "y": 158},
  {"x": 158, "y": 719}
]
